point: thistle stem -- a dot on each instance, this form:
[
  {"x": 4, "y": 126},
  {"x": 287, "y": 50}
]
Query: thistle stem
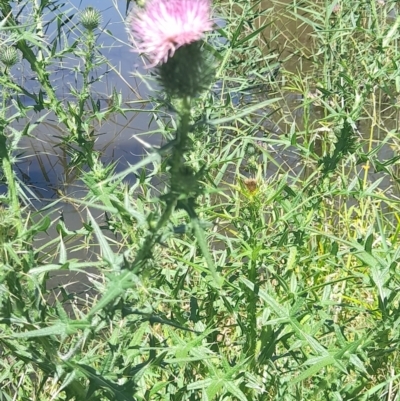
[{"x": 177, "y": 160}]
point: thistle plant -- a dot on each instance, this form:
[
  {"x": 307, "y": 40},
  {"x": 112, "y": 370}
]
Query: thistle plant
[
  {"x": 307, "y": 240},
  {"x": 169, "y": 33},
  {"x": 90, "y": 19}
]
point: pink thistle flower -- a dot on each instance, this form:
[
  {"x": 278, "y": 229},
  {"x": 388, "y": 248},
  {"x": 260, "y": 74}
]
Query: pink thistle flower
[{"x": 163, "y": 26}]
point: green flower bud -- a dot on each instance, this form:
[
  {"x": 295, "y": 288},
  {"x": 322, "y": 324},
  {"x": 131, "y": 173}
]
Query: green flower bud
[
  {"x": 251, "y": 150},
  {"x": 90, "y": 18},
  {"x": 9, "y": 56}
]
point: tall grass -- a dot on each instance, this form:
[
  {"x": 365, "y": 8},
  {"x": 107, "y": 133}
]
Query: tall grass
[{"x": 266, "y": 267}]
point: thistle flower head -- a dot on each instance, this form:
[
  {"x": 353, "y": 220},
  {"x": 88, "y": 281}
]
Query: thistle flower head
[
  {"x": 9, "y": 55},
  {"x": 163, "y": 26},
  {"x": 90, "y": 18}
]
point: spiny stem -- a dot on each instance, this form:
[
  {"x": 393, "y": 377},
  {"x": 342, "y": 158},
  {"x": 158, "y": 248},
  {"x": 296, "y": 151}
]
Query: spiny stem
[
  {"x": 7, "y": 165},
  {"x": 177, "y": 160},
  {"x": 10, "y": 178}
]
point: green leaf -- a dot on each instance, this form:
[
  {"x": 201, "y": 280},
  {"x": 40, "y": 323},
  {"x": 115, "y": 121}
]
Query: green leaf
[
  {"x": 214, "y": 387},
  {"x": 56, "y": 330},
  {"x": 41, "y": 226},
  {"x": 107, "y": 253},
  {"x": 244, "y": 112},
  {"x": 199, "y": 384},
  {"x": 250, "y": 36},
  {"x": 98, "y": 381},
  {"x": 199, "y": 233},
  {"x": 235, "y": 391},
  {"x": 317, "y": 365},
  {"x": 63, "y": 258},
  {"x": 275, "y": 306},
  {"x": 368, "y": 243},
  {"x": 115, "y": 287}
]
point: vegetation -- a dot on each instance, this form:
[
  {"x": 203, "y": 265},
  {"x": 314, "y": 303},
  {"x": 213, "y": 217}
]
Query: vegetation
[{"x": 257, "y": 258}]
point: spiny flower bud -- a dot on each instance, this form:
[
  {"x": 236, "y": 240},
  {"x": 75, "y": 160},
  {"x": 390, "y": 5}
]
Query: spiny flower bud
[
  {"x": 90, "y": 18},
  {"x": 9, "y": 56}
]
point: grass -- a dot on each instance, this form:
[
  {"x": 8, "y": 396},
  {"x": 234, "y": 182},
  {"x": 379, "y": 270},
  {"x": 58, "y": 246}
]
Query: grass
[{"x": 253, "y": 257}]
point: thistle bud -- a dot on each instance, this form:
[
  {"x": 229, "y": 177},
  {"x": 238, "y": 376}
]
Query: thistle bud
[
  {"x": 9, "y": 56},
  {"x": 90, "y": 18}
]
